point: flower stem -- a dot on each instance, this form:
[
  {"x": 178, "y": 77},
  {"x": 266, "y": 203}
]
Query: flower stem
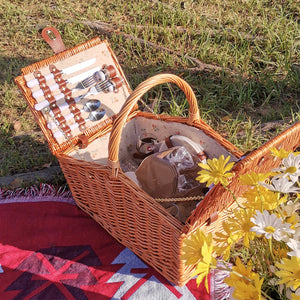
[
  {"x": 261, "y": 199},
  {"x": 233, "y": 195},
  {"x": 271, "y": 250},
  {"x": 266, "y": 295}
]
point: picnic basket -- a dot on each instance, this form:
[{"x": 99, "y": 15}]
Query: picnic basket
[{"x": 94, "y": 164}]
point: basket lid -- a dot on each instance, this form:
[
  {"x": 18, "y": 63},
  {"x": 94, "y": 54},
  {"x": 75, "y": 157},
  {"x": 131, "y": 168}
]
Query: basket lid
[{"x": 74, "y": 93}]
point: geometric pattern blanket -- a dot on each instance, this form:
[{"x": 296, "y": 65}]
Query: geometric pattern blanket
[{"x": 50, "y": 249}]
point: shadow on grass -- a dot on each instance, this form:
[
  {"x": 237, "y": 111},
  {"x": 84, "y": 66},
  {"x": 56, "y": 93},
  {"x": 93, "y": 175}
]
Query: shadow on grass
[
  {"x": 26, "y": 159},
  {"x": 11, "y": 67}
]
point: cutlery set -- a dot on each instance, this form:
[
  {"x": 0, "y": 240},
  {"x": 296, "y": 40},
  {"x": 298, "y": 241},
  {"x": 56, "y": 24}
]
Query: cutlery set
[{"x": 58, "y": 99}]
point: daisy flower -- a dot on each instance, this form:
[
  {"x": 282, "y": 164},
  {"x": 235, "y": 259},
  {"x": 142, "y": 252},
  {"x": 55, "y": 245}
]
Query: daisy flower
[
  {"x": 224, "y": 241},
  {"x": 270, "y": 226},
  {"x": 290, "y": 208},
  {"x": 281, "y": 153},
  {"x": 247, "y": 284},
  {"x": 192, "y": 246},
  {"x": 281, "y": 185},
  {"x": 240, "y": 226},
  {"x": 295, "y": 246},
  {"x": 297, "y": 232},
  {"x": 260, "y": 198},
  {"x": 203, "y": 267},
  {"x": 215, "y": 171},
  {"x": 289, "y": 272},
  {"x": 253, "y": 178},
  {"x": 296, "y": 295},
  {"x": 290, "y": 167},
  {"x": 290, "y": 214}
]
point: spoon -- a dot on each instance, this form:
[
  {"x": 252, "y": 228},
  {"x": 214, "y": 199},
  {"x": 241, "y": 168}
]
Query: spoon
[
  {"x": 90, "y": 106},
  {"x": 96, "y": 115},
  {"x": 93, "y": 116}
]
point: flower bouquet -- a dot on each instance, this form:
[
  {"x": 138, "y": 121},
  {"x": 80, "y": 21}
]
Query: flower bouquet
[{"x": 259, "y": 248}]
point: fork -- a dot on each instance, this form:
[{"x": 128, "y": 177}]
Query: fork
[
  {"x": 111, "y": 85},
  {"x": 105, "y": 73}
]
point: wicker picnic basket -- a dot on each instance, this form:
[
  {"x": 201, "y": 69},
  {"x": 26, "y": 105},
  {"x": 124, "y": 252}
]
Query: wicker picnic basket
[{"x": 94, "y": 164}]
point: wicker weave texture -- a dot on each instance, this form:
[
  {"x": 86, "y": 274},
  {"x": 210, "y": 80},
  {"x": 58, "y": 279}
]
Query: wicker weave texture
[
  {"x": 138, "y": 221},
  {"x": 128, "y": 213},
  {"x": 141, "y": 224}
]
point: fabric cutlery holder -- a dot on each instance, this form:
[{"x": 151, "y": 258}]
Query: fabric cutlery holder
[{"x": 58, "y": 88}]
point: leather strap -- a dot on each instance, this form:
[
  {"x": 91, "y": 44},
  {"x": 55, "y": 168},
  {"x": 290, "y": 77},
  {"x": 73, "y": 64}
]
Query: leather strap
[
  {"x": 83, "y": 141},
  {"x": 113, "y": 164},
  {"x": 168, "y": 142},
  {"x": 44, "y": 87},
  {"x": 53, "y": 38},
  {"x": 52, "y": 101},
  {"x": 67, "y": 93}
]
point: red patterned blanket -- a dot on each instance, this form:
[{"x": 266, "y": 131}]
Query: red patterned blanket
[{"x": 50, "y": 249}]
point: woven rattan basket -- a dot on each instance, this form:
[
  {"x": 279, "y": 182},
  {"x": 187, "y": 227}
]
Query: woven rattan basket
[{"x": 102, "y": 189}]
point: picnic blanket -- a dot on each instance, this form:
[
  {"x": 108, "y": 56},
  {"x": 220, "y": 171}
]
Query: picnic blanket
[{"x": 50, "y": 249}]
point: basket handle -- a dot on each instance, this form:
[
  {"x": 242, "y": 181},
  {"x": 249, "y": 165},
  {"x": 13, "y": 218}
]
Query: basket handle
[{"x": 142, "y": 88}]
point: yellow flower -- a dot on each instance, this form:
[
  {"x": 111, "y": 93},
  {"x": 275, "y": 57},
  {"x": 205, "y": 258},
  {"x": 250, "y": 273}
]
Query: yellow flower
[
  {"x": 295, "y": 297},
  {"x": 260, "y": 198},
  {"x": 240, "y": 226},
  {"x": 240, "y": 272},
  {"x": 224, "y": 241},
  {"x": 253, "y": 178},
  {"x": 204, "y": 266},
  {"x": 192, "y": 246},
  {"x": 280, "y": 252},
  {"x": 289, "y": 272},
  {"x": 215, "y": 171},
  {"x": 245, "y": 291},
  {"x": 247, "y": 284},
  {"x": 281, "y": 153},
  {"x": 289, "y": 212}
]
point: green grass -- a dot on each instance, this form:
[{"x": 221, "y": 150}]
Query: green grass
[{"x": 255, "y": 42}]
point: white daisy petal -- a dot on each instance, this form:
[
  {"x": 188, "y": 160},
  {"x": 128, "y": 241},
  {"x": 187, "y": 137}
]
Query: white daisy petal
[
  {"x": 290, "y": 208},
  {"x": 281, "y": 185},
  {"x": 290, "y": 168},
  {"x": 295, "y": 246},
  {"x": 270, "y": 226}
]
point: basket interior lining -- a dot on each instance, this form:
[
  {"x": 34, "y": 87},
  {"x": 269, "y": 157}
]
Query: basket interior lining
[{"x": 141, "y": 127}]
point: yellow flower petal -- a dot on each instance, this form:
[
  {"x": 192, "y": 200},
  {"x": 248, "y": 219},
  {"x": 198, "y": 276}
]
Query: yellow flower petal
[
  {"x": 289, "y": 272},
  {"x": 215, "y": 171}
]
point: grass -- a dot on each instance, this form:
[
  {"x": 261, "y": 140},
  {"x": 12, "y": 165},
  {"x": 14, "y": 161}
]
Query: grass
[{"x": 255, "y": 42}]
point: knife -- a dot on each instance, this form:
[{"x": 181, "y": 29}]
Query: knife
[
  {"x": 34, "y": 82},
  {"x": 71, "y": 80}
]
